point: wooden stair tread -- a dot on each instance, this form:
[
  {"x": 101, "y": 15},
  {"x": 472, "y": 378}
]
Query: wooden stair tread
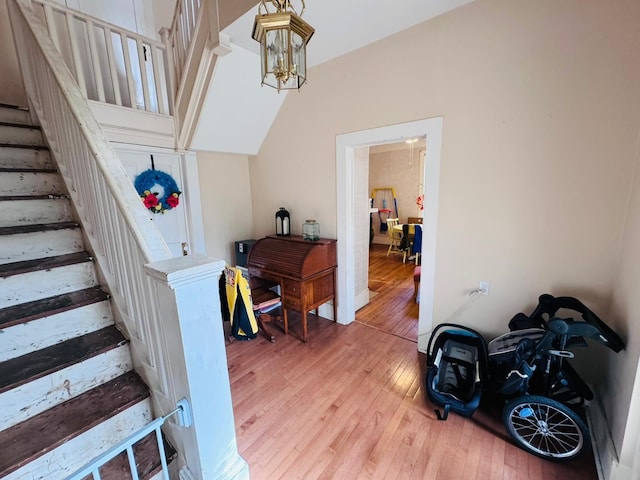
[
  {"x": 47, "y": 263},
  {"x": 26, "y": 312},
  {"x": 27, "y": 170},
  {"x": 32, "y": 438},
  {"x": 13, "y": 107},
  {"x": 17, "y": 145},
  {"x": 26, "y": 368},
  {"x": 20, "y": 125},
  {"x": 32, "y": 197},
  {"x": 147, "y": 460},
  {"x": 36, "y": 227}
]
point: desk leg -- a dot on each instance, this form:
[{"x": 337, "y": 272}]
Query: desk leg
[
  {"x": 335, "y": 310},
  {"x": 285, "y": 319},
  {"x": 304, "y": 326}
]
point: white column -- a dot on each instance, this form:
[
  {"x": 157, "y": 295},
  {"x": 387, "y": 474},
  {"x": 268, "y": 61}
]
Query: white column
[{"x": 189, "y": 302}]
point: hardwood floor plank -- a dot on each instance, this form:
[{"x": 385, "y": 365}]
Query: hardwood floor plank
[
  {"x": 350, "y": 404},
  {"x": 393, "y": 309}
]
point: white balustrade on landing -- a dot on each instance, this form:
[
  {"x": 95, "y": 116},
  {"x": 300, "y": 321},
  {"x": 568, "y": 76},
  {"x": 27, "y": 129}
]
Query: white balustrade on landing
[
  {"x": 183, "y": 26},
  {"x": 111, "y": 65},
  {"x": 168, "y": 307},
  {"x": 193, "y": 44}
]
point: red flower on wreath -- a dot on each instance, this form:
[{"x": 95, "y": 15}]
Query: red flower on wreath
[
  {"x": 173, "y": 200},
  {"x": 149, "y": 199}
]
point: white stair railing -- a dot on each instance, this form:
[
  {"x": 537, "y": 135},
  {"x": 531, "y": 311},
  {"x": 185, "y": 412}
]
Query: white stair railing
[
  {"x": 110, "y": 64},
  {"x": 183, "y": 26},
  {"x": 193, "y": 44},
  {"x": 183, "y": 412},
  {"x": 168, "y": 307}
]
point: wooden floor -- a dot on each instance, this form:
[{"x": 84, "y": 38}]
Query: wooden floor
[
  {"x": 350, "y": 404},
  {"x": 393, "y": 308}
]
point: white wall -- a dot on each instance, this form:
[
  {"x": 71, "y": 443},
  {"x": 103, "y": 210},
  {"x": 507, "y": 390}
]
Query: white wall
[
  {"x": 11, "y": 88},
  {"x": 619, "y": 391},
  {"x": 136, "y": 15},
  {"x": 541, "y": 108},
  {"x": 535, "y": 167},
  {"x": 225, "y": 191}
]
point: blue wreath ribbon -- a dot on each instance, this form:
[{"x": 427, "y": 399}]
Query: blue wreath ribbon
[{"x": 145, "y": 183}]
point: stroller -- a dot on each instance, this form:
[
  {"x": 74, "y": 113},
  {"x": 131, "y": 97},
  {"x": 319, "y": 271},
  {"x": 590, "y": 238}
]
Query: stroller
[{"x": 529, "y": 367}]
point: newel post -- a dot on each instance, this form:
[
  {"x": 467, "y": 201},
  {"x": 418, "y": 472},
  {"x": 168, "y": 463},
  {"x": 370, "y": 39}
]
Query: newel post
[
  {"x": 218, "y": 41},
  {"x": 188, "y": 299}
]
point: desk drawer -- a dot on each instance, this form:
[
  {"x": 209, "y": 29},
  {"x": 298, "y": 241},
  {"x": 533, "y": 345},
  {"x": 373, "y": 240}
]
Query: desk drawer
[
  {"x": 291, "y": 287},
  {"x": 293, "y": 303},
  {"x": 265, "y": 275}
]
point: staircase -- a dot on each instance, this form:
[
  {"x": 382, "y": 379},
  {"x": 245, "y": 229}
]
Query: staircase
[{"x": 67, "y": 388}]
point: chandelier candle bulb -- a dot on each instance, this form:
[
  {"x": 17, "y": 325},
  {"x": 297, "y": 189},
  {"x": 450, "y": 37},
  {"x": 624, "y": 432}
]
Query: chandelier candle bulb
[{"x": 311, "y": 230}]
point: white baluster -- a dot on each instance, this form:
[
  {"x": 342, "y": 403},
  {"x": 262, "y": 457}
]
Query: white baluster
[
  {"x": 113, "y": 70},
  {"x": 95, "y": 60}
]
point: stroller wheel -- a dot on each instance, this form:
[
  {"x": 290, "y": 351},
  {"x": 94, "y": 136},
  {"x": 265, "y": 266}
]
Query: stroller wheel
[{"x": 546, "y": 427}]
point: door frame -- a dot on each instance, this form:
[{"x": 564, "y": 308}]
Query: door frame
[{"x": 345, "y": 179}]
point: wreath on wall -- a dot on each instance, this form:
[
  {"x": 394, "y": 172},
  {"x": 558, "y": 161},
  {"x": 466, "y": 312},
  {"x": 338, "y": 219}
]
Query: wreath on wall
[{"x": 158, "y": 190}]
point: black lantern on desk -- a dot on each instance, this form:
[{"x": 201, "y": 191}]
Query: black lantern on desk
[{"x": 283, "y": 222}]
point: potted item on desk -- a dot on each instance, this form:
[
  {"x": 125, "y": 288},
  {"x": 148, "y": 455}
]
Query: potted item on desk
[{"x": 311, "y": 230}]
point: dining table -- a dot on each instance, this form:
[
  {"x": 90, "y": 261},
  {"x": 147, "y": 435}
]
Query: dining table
[{"x": 410, "y": 234}]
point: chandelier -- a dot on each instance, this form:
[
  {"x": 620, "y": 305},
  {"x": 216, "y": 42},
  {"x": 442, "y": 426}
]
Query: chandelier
[{"x": 283, "y": 38}]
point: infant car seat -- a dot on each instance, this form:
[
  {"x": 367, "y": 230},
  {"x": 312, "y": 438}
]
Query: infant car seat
[{"x": 456, "y": 369}]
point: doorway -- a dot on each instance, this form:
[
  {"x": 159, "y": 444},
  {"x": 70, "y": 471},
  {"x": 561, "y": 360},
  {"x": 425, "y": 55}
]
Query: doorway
[
  {"x": 395, "y": 180},
  {"x": 351, "y": 208}
]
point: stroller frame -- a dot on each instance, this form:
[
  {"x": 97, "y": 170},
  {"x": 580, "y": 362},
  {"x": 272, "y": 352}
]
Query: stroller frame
[{"x": 529, "y": 367}]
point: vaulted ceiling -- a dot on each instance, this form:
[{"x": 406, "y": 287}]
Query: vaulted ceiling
[{"x": 238, "y": 112}]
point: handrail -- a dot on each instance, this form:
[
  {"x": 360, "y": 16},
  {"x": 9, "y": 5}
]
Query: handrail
[
  {"x": 93, "y": 468},
  {"x": 111, "y": 64},
  {"x": 97, "y": 147}
]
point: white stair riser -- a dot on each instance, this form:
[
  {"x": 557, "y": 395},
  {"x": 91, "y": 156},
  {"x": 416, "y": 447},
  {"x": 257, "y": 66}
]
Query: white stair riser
[
  {"x": 28, "y": 337},
  {"x": 30, "y": 212},
  {"x": 39, "y": 395},
  {"x": 77, "y": 452},
  {"x": 13, "y": 115},
  {"x": 30, "y": 286},
  {"x": 30, "y": 183},
  {"x": 10, "y": 135},
  {"x": 48, "y": 243},
  {"x": 15, "y": 157}
]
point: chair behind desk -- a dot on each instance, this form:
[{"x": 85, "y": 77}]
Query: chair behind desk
[
  {"x": 244, "y": 307},
  {"x": 264, "y": 301}
]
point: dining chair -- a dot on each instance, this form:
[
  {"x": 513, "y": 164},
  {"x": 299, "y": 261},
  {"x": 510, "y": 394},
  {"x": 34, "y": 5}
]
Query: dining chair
[
  {"x": 395, "y": 237},
  {"x": 416, "y": 246}
]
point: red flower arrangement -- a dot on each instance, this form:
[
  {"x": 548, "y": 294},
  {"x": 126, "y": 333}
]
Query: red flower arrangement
[
  {"x": 149, "y": 199},
  {"x": 173, "y": 200},
  {"x": 157, "y": 202}
]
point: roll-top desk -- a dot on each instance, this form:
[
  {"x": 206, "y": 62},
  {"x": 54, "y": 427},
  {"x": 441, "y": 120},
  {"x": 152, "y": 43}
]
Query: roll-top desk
[{"x": 305, "y": 271}]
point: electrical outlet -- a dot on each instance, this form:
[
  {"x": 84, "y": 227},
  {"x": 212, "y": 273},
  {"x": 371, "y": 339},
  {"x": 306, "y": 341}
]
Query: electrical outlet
[{"x": 484, "y": 288}]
